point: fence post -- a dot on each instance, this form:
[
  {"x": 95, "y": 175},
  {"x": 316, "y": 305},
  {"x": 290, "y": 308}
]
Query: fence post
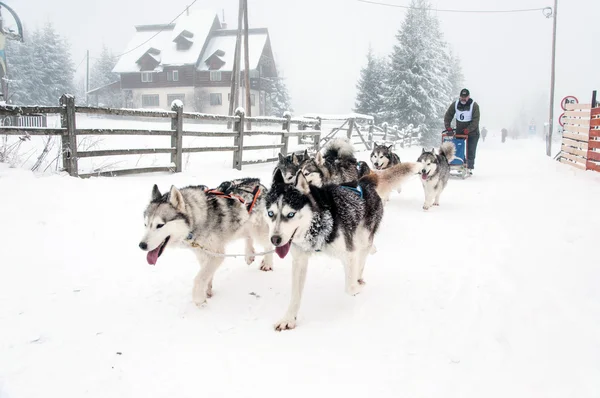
[
  {"x": 350, "y": 129},
  {"x": 177, "y": 136},
  {"x": 385, "y": 133},
  {"x": 370, "y": 136},
  {"x": 238, "y": 141},
  {"x": 317, "y": 138},
  {"x": 285, "y": 138},
  {"x": 69, "y": 141}
]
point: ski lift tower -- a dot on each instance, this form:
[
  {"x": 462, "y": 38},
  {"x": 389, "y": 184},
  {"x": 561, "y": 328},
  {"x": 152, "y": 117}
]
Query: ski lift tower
[{"x": 7, "y": 33}]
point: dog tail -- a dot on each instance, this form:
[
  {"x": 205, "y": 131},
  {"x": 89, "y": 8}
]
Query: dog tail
[
  {"x": 448, "y": 150},
  {"x": 392, "y": 178},
  {"x": 338, "y": 148}
]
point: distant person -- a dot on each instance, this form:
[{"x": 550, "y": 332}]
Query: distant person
[
  {"x": 504, "y": 134},
  {"x": 483, "y": 133},
  {"x": 467, "y": 122}
]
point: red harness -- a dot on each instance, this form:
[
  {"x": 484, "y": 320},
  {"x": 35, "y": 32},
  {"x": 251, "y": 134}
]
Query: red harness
[{"x": 236, "y": 197}]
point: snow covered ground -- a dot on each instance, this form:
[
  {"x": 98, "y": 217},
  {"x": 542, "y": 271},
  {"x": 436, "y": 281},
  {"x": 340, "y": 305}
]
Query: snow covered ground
[{"x": 493, "y": 294}]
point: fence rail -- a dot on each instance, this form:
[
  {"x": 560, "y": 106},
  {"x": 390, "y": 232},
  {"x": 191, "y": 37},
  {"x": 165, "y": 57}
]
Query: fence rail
[
  {"x": 581, "y": 136},
  {"x": 69, "y": 133}
]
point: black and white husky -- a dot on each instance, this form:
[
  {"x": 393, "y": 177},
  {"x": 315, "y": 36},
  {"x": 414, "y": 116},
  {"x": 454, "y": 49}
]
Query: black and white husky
[
  {"x": 340, "y": 221},
  {"x": 383, "y": 157},
  {"x": 206, "y": 220},
  {"x": 336, "y": 165},
  {"x": 435, "y": 172}
]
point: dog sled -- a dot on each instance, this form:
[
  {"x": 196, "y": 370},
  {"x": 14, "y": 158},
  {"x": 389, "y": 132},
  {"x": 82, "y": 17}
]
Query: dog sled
[{"x": 458, "y": 166}]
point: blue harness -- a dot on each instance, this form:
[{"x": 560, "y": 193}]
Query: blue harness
[{"x": 358, "y": 190}]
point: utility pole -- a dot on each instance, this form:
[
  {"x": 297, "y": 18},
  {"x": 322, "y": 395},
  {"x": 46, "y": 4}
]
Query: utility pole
[
  {"x": 552, "y": 78},
  {"x": 247, "y": 64},
  {"x": 235, "y": 75},
  {"x": 87, "y": 78}
]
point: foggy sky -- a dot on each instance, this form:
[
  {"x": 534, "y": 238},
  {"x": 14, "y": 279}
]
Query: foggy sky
[{"x": 320, "y": 45}]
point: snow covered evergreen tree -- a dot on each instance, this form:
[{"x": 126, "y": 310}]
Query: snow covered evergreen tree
[
  {"x": 279, "y": 98},
  {"x": 371, "y": 88},
  {"x": 39, "y": 70},
  {"x": 101, "y": 75},
  {"x": 456, "y": 75},
  {"x": 419, "y": 81}
]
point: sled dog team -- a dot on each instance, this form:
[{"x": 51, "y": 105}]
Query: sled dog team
[{"x": 329, "y": 203}]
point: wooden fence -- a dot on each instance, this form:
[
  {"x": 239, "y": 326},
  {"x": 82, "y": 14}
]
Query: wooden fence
[
  {"x": 581, "y": 136},
  {"x": 241, "y": 128}
]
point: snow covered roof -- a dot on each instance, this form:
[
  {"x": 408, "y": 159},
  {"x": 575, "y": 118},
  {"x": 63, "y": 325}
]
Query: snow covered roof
[
  {"x": 195, "y": 27},
  {"x": 222, "y": 45}
]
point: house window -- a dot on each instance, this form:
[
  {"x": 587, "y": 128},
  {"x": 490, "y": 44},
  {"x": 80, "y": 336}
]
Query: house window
[
  {"x": 215, "y": 75},
  {"x": 173, "y": 76},
  {"x": 150, "y": 100},
  {"x": 173, "y": 97},
  {"x": 252, "y": 100},
  {"x": 216, "y": 99},
  {"x": 146, "y": 77},
  {"x": 254, "y": 74}
]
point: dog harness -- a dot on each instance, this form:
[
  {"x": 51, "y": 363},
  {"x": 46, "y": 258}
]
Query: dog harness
[
  {"x": 464, "y": 116},
  {"x": 358, "y": 190},
  {"x": 249, "y": 206}
]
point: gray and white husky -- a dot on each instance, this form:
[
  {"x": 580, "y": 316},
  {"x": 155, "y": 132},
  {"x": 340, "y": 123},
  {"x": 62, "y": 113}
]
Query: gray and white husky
[
  {"x": 383, "y": 157},
  {"x": 340, "y": 221},
  {"x": 207, "y": 220},
  {"x": 435, "y": 172},
  {"x": 290, "y": 164},
  {"x": 337, "y": 165}
]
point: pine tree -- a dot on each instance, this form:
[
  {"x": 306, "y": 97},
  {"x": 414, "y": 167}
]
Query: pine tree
[
  {"x": 418, "y": 84},
  {"x": 279, "y": 96},
  {"x": 371, "y": 87},
  {"x": 101, "y": 75},
  {"x": 39, "y": 70},
  {"x": 456, "y": 75}
]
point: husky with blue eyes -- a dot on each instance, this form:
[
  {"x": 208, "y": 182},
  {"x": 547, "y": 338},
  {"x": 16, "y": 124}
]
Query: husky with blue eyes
[{"x": 338, "y": 220}]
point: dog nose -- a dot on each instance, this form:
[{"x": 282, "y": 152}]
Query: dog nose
[
  {"x": 423, "y": 171},
  {"x": 276, "y": 240},
  {"x": 143, "y": 246}
]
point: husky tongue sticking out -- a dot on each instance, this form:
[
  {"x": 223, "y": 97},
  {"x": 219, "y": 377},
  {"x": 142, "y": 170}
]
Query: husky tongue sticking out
[
  {"x": 282, "y": 251},
  {"x": 153, "y": 255}
]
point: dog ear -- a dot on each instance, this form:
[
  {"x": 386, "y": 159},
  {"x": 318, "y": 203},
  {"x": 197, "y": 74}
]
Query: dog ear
[
  {"x": 176, "y": 199},
  {"x": 306, "y": 156},
  {"x": 156, "y": 193},
  {"x": 295, "y": 159},
  {"x": 319, "y": 159},
  {"x": 281, "y": 158},
  {"x": 302, "y": 184},
  {"x": 278, "y": 177},
  {"x": 390, "y": 147},
  {"x": 423, "y": 150}
]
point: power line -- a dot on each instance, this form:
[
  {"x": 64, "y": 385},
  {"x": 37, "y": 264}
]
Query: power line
[
  {"x": 157, "y": 33},
  {"x": 458, "y": 11},
  {"x": 82, "y": 59}
]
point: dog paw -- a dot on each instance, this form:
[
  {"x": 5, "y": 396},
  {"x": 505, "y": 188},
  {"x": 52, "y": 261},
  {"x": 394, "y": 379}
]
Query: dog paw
[
  {"x": 361, "y": 282},
  {"x": 436, "y": 204},
  {"x": 285, "y": 324},
  {"x": 250, "y": 259},
  {"x": 266, "y": 267},
  {"x": 373, "y": 249},
  {"x": 209, "y": 292},
  {"x": 354, "y": 289},
  {"x": 425, "y": 207},
  {"x": 200, "y": 300}
]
